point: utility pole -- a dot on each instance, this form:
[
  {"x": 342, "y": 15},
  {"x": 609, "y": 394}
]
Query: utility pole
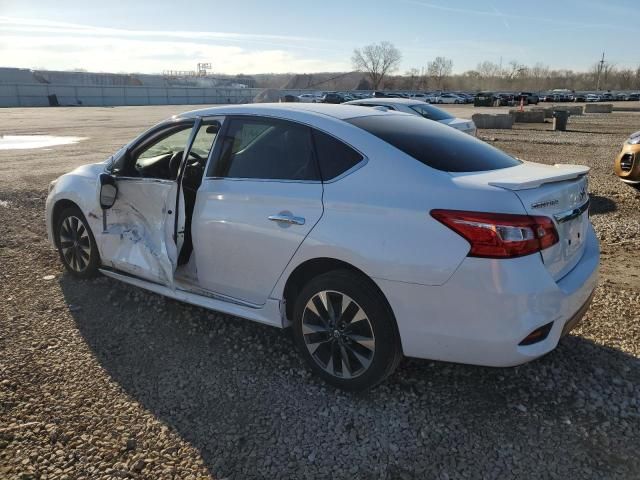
[{"x": 600, "y": 69}]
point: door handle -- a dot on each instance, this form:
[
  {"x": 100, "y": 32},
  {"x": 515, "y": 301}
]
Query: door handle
[{"x": 287, "y": 218}]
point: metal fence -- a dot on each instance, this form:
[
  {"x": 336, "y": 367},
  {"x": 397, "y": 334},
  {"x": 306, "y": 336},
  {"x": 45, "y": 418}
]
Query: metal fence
[{"x": 39, "y": 95}]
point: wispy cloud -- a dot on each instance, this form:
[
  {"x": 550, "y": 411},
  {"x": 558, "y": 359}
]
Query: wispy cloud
[
  {"x": 503, "y": 16},
  {"x": 27, "y": 24},
  {"x": 60, "y": 45}
]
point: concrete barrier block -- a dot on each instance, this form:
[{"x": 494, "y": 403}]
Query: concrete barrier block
[
  {"x": 548, "y": 111},
  {"x": 528, "y": 116},
  {"x": 598, "y": 108},
  {"x": 626, "y": 108},
  {"x": 574, "y": 110},
  {"x": 498, "y": 121}
]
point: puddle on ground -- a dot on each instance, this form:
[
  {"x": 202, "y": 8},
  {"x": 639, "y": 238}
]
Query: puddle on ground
[{"x": 21, "y": 142}]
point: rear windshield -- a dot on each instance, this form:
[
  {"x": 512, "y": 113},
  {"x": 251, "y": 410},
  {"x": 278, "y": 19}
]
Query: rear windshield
[
  {"x": 436, "y": 145},
  {"x": 430, "y": 112}
]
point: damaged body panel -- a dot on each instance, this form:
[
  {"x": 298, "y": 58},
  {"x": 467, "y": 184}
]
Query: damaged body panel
[{"x": 139, "y": 234}]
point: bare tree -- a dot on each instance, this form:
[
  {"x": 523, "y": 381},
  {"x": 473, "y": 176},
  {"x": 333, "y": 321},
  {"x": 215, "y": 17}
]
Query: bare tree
[
  {"x": 625, "y": 78},
  {"x": 488, "y": 69},
  {"x": 377, "y": 60},
  {"x": 439, "y": 69},
  {"x": 414, "y": 79},
  {"x": 539, "y": 74},
  {"x": 516, "y": 70}
]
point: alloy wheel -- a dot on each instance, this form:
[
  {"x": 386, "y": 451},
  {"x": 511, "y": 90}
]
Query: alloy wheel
[
  {"x": 75, "y": 243},
  {"x": 338, "y": 334}
]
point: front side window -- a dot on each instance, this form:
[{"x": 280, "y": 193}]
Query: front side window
[
  {"x": 268, "y": 149},
  {"x": 175, "y": 142},
  {"x": 157, "y": 156}
]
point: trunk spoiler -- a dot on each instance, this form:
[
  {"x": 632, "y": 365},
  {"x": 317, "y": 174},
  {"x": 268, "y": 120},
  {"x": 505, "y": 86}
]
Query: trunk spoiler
[{"x": 546, "y": 174}]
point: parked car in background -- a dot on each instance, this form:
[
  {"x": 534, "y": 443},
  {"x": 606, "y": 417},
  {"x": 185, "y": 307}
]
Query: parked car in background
[
  {"x": 627, "y": 163},
  {"x": 633, "y": 96},
  {"x": 528, "y": 97},
  {"x": 420, "y": 96},
  {"x": 466, "y": 97},
  {"x": 505, "y": 99},
  {"x": 332, "y": 97},
  {"x": 579, "y": 97},
  {"x": 373, "y": 234},
  {"x": 290, "y": 98},
  {"x": 553, "y": 97},
  {"x": 607, "y": 97},
  {"x": 592, "y": 97},
  {"x": 418, "y": 107},
  {"x": 484, "y": 99},
  {"x": 449, "y": 98},
  {"x": 309, "y": 98}
]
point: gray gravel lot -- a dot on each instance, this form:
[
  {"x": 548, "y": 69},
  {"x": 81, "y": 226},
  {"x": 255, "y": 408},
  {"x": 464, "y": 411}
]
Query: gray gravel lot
[{"x": 103, "y": 380}]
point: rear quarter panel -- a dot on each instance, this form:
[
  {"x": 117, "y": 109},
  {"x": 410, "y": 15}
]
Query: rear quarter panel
[{"x": 377, "y": 219}]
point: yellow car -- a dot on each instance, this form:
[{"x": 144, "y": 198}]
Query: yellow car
[{"x": 627, "y": 164}]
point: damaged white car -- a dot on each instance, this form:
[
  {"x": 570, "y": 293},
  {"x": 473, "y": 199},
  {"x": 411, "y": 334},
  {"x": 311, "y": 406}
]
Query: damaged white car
[{"x": 373, "y": 234}]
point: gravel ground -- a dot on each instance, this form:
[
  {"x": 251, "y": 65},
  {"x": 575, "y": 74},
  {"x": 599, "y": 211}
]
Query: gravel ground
[{"x": 102, "y": 380}]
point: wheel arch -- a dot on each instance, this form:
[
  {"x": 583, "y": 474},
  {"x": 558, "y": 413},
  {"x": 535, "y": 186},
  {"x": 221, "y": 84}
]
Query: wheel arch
[
  {"x": 313, "y": 267},
  {"x": 57, "y": 209}
]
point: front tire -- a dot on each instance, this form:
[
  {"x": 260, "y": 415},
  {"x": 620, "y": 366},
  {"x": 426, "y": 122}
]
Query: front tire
[
  {"x": 76, "y": 244},
  {"x": 345, "y": 330}
]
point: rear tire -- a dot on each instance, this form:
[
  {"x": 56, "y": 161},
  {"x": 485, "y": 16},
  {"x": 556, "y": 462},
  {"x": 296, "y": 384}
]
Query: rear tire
[
  {"x": 76, "y": 244},
  {"x": 345, "y": 331}
]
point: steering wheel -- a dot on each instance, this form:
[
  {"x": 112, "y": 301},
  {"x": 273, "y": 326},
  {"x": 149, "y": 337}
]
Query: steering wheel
[
  {"x": 195, "y": 155},
  {"x": 174, "y": 164}
]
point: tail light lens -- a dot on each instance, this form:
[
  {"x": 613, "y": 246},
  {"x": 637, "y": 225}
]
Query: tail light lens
[{"x": 500, "y": 235}]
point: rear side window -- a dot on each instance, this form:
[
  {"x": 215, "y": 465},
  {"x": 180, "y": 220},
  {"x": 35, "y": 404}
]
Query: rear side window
[
  {"x": 436, "y": 145},
  {"x": 264, "y": 148},
  {"x": 334, "y": 157}
]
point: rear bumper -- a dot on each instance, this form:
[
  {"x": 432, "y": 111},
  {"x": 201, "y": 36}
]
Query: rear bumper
[{"x": 488, "y": 307}]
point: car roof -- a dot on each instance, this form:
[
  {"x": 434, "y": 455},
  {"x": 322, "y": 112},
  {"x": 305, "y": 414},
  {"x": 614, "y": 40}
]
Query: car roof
[
  {"x": 383, "y": 101},
  {"x": 339, "y": 111}
]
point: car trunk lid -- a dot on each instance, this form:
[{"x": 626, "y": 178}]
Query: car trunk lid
[{"x": 555, "y": 191}]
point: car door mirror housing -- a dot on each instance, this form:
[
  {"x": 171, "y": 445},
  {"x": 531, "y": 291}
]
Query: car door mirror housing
[{"x": 108, "y": 191}]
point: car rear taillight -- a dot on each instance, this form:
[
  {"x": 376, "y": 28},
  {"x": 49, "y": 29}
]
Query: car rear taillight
[{"x": 500, "y": 235}]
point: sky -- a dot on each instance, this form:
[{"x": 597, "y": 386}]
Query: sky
[{"x": 263, "y": 36}]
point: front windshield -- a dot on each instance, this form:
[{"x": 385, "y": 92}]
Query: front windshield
[{"x": 432, "y": 113}]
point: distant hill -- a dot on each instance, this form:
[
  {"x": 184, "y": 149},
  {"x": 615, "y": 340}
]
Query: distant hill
[{"x": 312, "y": 81}]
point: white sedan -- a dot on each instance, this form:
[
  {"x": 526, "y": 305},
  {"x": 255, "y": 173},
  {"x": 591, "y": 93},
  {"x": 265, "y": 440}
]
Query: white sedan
[
  {"x": 449, "y": 98},
  {"x": 373, "y": 234},
  {"x": 417, "y": 107},
  {"x": 309, "y": 98}
]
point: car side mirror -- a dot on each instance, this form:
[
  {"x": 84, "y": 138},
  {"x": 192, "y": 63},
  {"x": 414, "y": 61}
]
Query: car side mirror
[{"x": 108, "y": 191}]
